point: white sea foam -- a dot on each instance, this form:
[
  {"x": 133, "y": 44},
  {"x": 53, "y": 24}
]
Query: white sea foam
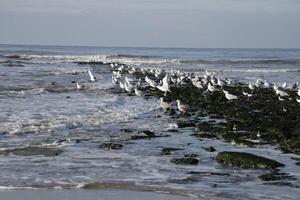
[{"x": 97, "y": 58}]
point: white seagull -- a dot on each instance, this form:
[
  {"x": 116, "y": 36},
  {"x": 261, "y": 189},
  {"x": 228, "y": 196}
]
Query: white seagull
[
  {"x": 251, "y": 86},
  {"x": 229, "y": 96},
  {"x": 79, "y": 86},
  {"x": 92, "y": 77},
  {"x": 164, "y": 88},
  {"x": 211, "y": 88},
  {"x": 220, "y": 82},
  {"x": 247, "y": 94},
  {"x": 198, "y": 84},
  {"x": 129, "y": 87},
  {"x": 138, "y": 92},
  {"x": 151, "y": 82},
  {"x": 164, "y": 105},
  {"x": 182, "y": 107}
]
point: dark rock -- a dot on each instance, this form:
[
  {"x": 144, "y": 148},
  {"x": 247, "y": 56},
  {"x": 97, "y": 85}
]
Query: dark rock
[
  {"x": 205, "y": 135},
  {"x": 168, "y": 150},
  {"x": 185, "y": 161},
  {"x": 209, "y": 173},
  {"x": 204, "y": 126},
  {"x": 173, "y": 130},
  {"x": 246, "y": 160},
  {"x": 192, "y": 155},
  {"x": 125, "y": 130},
  {"x": 185, "y": 124},
  {"x": 243, "y": 142},
  {"x": 146, "y": 135},
  {"x": 278, "y": 121},
  {"x": 33, "y": 151},
  {"x": 276, "y": 176},
  {"x": 110, "y": 146},
  {"x": 209, "y": 149}
]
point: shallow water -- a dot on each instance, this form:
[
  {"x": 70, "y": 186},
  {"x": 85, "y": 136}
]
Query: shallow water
[{"x": 41, "y": 106}]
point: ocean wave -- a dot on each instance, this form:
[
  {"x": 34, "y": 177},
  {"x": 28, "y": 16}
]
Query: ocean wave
[
  {"x": 17, "y": 56},
  {"x": 94, "y": 59},
  {"x": 251, "y": 61},
  {"x": 11, "y": 91},
  {"x": 257, "y": 70},
  {"x": 157, "y": 61}
]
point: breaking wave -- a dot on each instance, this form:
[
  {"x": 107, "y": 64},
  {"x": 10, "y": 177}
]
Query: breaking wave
[{"x": 235, "y": 62}]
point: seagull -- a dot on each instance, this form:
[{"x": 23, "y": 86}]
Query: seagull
[
  {"x": 151, "y": 82},
  {"x": 165, "y": 80},
  {"x": 259, "y": 83},
  {"x": 129, "y": 87},
  {"x": 138, "y": 92},
  {"x": 229, "y": 96},
  {"x": 164, "y": 88},
  {"x": 220, "y": 82},
  {"x": 213, "y": 81},
  {"x": 132, "y": 70},
  {"x": 158, "y": 73},
  {"x": 266, "y": 84},
  {"x": 92, "y": 77},
  {"x": 79, "y": 86},
  {"x": 198, "y": 84},
  {"x": 182, "y": 107},
  {"x": 117, "y": 74},
  {"x": 115, "y": 80},
  {"x": 122, "y": 86},
  {"x": 258, "y": 134},
  {"x": 281, "y": 93},
  {"x": 251, "y": 86},
  {"x": 144, "y": 71},
  {"x": 247, "y": 94},
  {"x": 211, "y": 88},
  {"x": 207, "y": 74},
  {"x": 284, "y": 85},
  {"x": 280, "y": 98},
  {"x": 164, "y": 105},
  {"x": 228, "y": 81},
  {"x": 128, "y": 80}
]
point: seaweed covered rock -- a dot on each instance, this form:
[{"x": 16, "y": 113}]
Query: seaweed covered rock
[
  {"x": 146, "y": 134},
  {"x": 246, "y": 160},
  {"x": 114, "y": 146},
  {"x": 168, "y": 150},
  {"x": 209, "y": 149},
  {"x": 260, "y": 110},
  {"x": 185, "y": 161},
  {"x": 276, "y": 176},
  {"x": 33, "y": 151}
]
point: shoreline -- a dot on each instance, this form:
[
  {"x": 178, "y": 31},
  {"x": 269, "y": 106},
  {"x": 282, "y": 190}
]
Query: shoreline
[{"x": 79, "y": 194}]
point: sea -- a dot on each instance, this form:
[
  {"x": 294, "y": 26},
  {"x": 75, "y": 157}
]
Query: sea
[{"x": 40, "y": 106}]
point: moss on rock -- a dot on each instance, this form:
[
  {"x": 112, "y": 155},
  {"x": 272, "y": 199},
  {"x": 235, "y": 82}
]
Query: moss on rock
[{"x": 246, "y": 160}]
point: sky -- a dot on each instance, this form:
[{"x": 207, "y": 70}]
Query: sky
[{"x": 152, "y": 23}]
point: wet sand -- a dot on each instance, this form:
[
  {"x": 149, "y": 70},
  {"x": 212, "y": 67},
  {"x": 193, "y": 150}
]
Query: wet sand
[{"x": 107, "y": 194}]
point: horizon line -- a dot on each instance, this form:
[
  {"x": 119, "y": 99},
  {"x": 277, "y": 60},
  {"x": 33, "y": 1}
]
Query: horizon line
[{"x": 149, "y": 47}]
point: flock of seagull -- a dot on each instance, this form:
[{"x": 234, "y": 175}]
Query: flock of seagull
[{"x": 160, "y": 79}]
